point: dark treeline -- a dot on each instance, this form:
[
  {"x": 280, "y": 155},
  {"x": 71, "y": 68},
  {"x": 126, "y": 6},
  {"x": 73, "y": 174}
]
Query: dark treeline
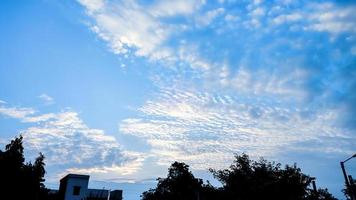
[
  {"x": 244, "y": 180},
  {"x": 20, "y": 180}
]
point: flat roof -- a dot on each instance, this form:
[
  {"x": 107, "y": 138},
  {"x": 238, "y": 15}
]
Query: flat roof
[{"x": 81, "y": 176}]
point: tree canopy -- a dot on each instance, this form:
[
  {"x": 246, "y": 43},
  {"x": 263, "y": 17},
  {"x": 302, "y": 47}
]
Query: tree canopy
[
  {"x": 247, "y": 179},
  {"x": 20, "y": 180},
  {"x": 243, "y": 180}
]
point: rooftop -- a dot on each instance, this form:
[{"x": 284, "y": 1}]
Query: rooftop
[{"x": 75, "y": 176}]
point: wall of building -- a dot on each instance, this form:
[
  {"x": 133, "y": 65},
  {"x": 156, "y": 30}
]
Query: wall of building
[
  {"x": 69, "y": 182},
  {"x": 78, "y": 182}
]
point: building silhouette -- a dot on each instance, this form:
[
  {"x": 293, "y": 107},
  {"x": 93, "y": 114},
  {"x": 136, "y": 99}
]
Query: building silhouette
[{"x": 75, "y": 187}]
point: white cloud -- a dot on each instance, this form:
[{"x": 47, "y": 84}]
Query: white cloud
[
  {"x": 134, "y": 28},
  {"x": 24, "y": 114},
  {"x": 320, "y": 17},
  {"x": 287, "y": 2},
  {"x": 195, "y": 126},
  {"x": 128, "y": 27},
  {"x": 231, "y": 18},
  {"x": 190, "y": 54},
  {"x": 68, "y": 142},
  {"x": 174, "y": 7},
  {"x": 18, "y": 113},
  {"x": 257, "y": 2},
  {"x": 263, "y": 82},
  {"x": 208, "y": 17},
  {"x": 330, "y": 18},
  {"x": 93, "y": 5},
  {"x": 38, "y": 118},
  {"x": 353, "y": 50},
  {"x": 285, "y": 18},
  {"x": 121, "y": 172},
  {"x": 48, "y": 100},
  {"x": 205, "y": 130},
  {"x": 258, "y": 12}
]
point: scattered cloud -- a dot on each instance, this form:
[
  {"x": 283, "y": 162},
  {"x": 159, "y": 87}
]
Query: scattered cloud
[
  {"x": 24, "y": 114},
  {"x": 175, "y": 7},
  {"x": 262, "y": 82},
  {"x": 14, "y": 112},
  {"x": 258, "y": 12},
  {"x": 328, "y": 17},
  {"x": 93, "y": 5},
  {"x": 48, "y": 100},
  {"x": 285, "y": 18},
  {"x": 208, "y": 17},
  {"x": 231, "y": 18},
  {"x": 353, "y": 50}
]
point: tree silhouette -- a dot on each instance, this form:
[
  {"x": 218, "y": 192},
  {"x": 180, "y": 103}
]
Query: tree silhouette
[
  {"x": 320, "y": 194},
  {"x": 180, "y": 184},
  {"x": 17, "y": 179},
  {"x": 350, "y": 190},
  {"x": 248, "y": 180},
  {"x": 243, "y": 180}
]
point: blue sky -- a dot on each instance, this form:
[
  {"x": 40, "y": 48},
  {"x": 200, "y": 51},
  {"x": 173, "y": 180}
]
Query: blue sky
[{"x": 120, "y": 89}]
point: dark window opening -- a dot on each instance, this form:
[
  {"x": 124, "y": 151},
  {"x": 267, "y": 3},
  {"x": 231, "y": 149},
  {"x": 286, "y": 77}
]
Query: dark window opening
[{"x": 76, "y": 190}]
